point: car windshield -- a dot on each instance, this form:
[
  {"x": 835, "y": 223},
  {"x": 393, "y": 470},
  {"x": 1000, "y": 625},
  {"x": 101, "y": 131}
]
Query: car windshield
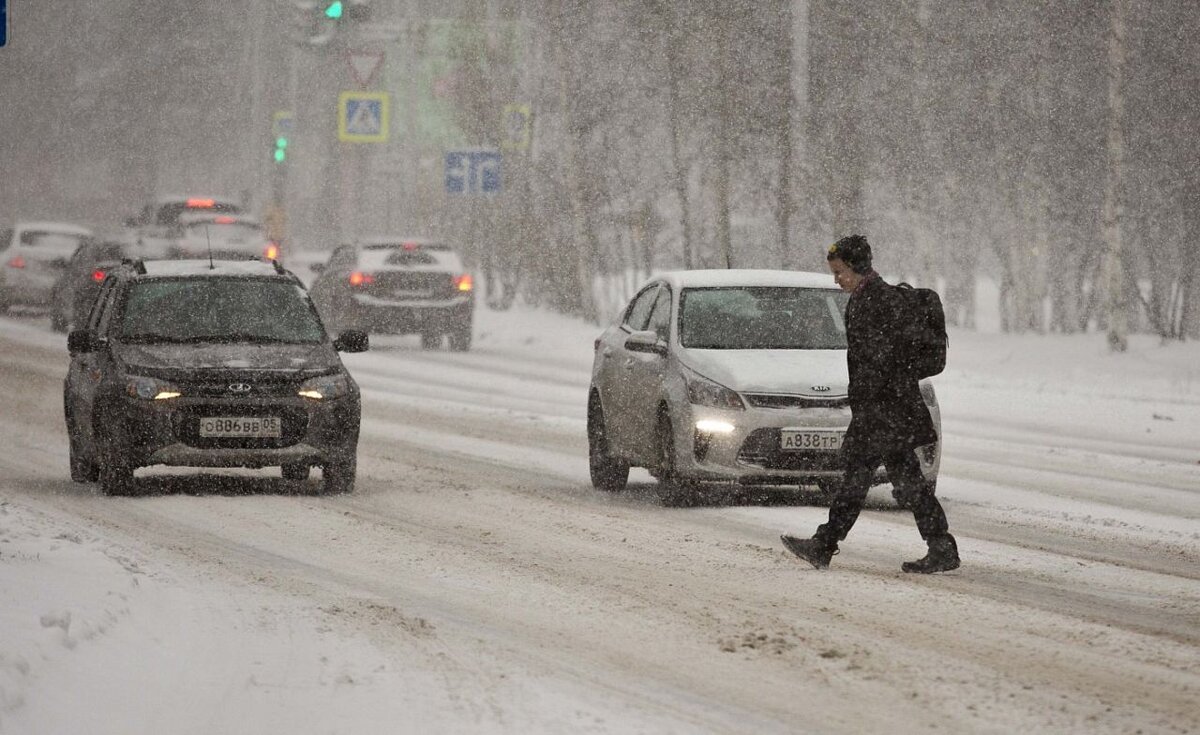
[
  {"x": 215, "y": 309},
  {"x": 762, "y": 318}
]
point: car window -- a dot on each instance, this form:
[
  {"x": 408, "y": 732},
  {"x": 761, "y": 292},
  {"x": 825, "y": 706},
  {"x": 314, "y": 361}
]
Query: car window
[
  {"x": 762, "y": 318},
  {"x": 214, "y": 309},
  {"x": 660, "y": 316},
  {"x": 638, "y": 312},
  {"x": 101, "y": 308},
  {"x": 51, "y": 239},
  {"x": 5, "y": 239}
]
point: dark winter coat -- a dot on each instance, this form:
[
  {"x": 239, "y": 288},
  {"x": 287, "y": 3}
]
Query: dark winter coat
[{"x": 888, "y": 413}]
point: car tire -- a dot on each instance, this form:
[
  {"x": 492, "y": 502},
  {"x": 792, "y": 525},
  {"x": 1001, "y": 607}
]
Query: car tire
[
  {"x": 460, "y": 339},
  {"x": 608, "y": 473},
  {"x": 115, "y": 475},
  {"x": 338, "y": 475},
  {"x": 431, "y": 341},
  {"x": 674, "y": 490},
  {"x": 298, "y": 471},
  {"x": 83, "y": 467}
]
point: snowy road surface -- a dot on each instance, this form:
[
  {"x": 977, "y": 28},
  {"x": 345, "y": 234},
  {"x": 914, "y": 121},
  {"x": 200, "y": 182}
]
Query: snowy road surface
[{"x": 475, "y": 582}]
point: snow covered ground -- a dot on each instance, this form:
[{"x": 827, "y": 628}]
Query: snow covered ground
[{"x": 475, "y": 582}]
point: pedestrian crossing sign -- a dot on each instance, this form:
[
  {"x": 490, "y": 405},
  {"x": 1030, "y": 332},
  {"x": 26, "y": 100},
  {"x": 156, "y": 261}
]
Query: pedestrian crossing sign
[{"x": 363, "y": 117}]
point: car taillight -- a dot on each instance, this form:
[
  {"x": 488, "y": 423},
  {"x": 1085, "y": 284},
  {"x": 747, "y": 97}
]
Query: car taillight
[
  {"x": 464, "y": 282},
  {"x": 361, "y": 279},
  {"x": 16, "y": 262},
  {"x": 198, "y": 203},
  {"x": 98, "y": 275},
  {"x": 271, "y": 252}
]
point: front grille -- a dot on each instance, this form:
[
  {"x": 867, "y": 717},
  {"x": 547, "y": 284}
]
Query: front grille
[
  {"x": 779, "y": 400},
  {"x": 186, "y": 425},
  {"x": 226, "y": 389},
  {"x": 761, "y": 449},
  {"x": 411, "y": 284}
]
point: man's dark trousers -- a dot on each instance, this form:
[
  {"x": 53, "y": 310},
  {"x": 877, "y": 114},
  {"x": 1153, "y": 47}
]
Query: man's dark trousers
[{"x": 911, "y": 491}]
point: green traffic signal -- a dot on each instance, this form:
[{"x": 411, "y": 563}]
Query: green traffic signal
[
  {"x": 334, "y": 10},
  {"x": 281, "y": 144}
]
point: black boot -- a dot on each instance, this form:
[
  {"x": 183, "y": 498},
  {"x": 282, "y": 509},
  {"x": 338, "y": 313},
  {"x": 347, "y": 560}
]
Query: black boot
[
  {"x": 942, "y": 557},
  {"x": 814, "y": 550}
]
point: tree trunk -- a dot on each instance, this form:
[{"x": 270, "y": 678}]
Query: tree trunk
[{"x": 1117, "y": 302}]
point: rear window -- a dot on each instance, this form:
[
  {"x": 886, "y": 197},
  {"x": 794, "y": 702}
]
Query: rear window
[
  {"x": 50, "y": 239},
  {"x": 762, "y": 318},
  {"x": 212, "y": 309},
  {"x": 168, "y": 214},
  {"x": 218, "y": 231},
  {"x": 425, "y": 257}
]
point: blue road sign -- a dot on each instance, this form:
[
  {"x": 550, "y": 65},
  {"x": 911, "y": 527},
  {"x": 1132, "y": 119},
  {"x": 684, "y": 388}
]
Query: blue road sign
[
  {"x": 3, "y": 22},
  {"x": 473, "y": 172}
]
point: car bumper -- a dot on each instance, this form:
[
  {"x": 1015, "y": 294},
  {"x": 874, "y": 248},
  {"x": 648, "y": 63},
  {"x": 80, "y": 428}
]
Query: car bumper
[
  {"x": 380, "y": 315},
  {"x": 167, "y": 432},
  {"x": 750, "y": 451}
]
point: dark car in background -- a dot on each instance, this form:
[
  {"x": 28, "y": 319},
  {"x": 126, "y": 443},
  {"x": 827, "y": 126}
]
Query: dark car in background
[
  {"x": 398, "y": 285},
  {"x": 77, "y": 286},
  {"x": 197, "y": 364}
]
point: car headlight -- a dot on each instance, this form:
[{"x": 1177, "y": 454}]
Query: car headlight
[
  {"x": 150, "y": 389},
  {"x": 703, "y": 392},
  {"x": 325, "y": 387}
]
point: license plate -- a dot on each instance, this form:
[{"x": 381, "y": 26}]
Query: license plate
[
  {"x": 808, "y": 440},
  {"x": 258, "y": 427}
]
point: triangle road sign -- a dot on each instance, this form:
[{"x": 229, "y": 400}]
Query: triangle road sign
[{"x": 364, "y": 65}]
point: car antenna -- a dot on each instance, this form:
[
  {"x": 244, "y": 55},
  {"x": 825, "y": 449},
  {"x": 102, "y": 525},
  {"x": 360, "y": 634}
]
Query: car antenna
[{"x": 208, "y": 239}]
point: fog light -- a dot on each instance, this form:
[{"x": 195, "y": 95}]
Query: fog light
[{"x": 711, "y": 426}]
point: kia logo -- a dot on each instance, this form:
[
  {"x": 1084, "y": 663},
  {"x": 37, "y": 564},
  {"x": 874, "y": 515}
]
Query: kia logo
[
  {"x": 821, "y": 388},
  {"x": 239, "y": 387}
]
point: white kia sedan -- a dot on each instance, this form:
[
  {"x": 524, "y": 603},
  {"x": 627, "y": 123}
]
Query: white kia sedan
[{"x": 728, "y": 376}]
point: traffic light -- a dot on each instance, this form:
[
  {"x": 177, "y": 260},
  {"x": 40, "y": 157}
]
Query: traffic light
[
  {"x": 334, "y": 9},
  {"x": 318, "y": 21},
  {"x": 281, "y": 149}
]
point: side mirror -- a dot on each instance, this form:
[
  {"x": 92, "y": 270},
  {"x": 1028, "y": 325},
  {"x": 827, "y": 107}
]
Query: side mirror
[
  {"x": 646, "y": 341},
  {"x": 351, "y": 340},
  {"x": 80, "y": 341},
  {"x": 317, "y": 267}
]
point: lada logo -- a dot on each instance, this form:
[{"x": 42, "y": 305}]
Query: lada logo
[
  {"x": 821, "y": 388},
  {"x": 239, "y": 387}
]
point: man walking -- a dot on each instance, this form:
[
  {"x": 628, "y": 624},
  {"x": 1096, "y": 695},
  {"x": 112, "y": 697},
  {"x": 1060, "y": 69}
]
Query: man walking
[{"x": 888, "y": 421}]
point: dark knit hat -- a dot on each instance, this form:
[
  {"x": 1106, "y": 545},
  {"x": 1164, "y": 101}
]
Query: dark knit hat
[{"x": 854, "y": 251}]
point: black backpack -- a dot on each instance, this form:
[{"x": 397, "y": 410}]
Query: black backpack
[{"x": 922, "y": 331}]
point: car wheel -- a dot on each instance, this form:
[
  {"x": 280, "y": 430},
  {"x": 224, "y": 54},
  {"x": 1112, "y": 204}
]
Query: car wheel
[
  {"x": 83, "y": 467},
  {"x": 431, "y": 340},
  {"x": 295, "y": 471},
  {"x": 116, "y": 475},
  {"x": 339, "y": 475},
  {"x": 674, "y": 490},
  {"x": 460, "y": 339},
  {"x": 608, "y": 473}
]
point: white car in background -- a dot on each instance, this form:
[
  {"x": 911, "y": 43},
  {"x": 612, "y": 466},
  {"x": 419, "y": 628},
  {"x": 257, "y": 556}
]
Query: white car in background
[
  {"x": 729, "y": 376},
  {"x": 225, "y": 236},
  {"x": 33, "y": 256}
]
